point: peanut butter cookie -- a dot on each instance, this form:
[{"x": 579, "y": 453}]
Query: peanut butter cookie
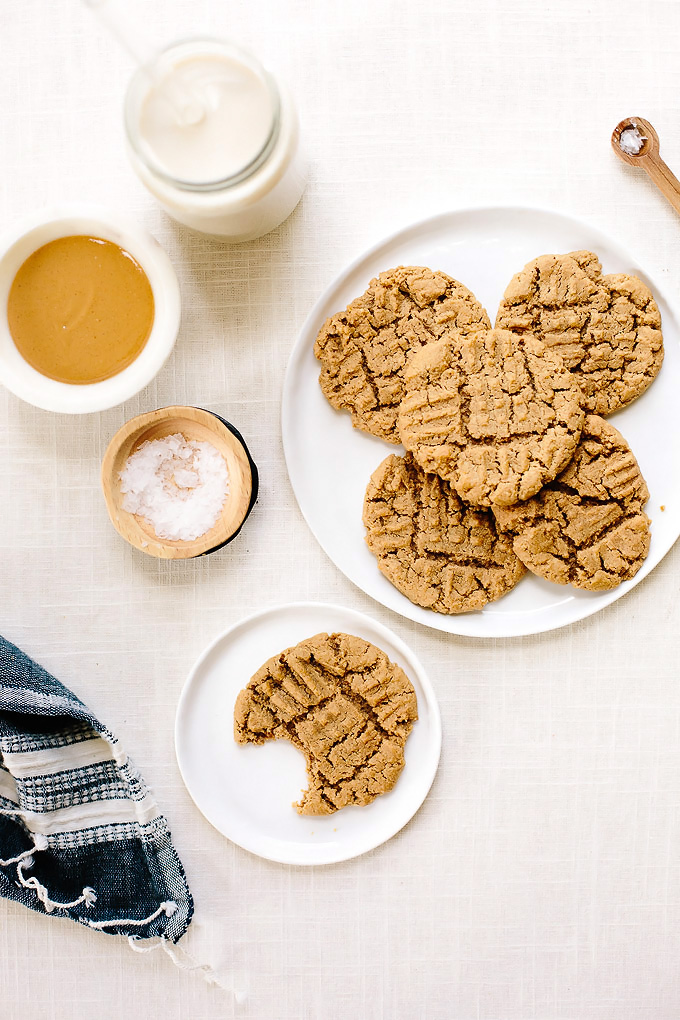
[
  {"x": 606, "y": 328},
  {"x": 436, "y": 551},
  {"x": 363, "y": 350},
  {"x": 343, "y": 703},
  {"x": 497, "y": 415},
  {"x": 587, "y": 528}
]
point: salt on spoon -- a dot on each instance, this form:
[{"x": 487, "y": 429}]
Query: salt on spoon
[
  {"x": 636, "y": 143},
  {"x": 631, "y": 141}
]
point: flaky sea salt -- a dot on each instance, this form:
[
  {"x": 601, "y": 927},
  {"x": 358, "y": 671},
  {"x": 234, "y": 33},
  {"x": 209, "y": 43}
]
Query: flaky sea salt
[
  {"x": 631, "y": 141},
  {"x": 178, "y": 485}
]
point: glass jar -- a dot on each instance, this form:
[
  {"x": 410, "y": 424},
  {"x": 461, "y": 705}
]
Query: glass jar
[{"x": 215, "y": 138}]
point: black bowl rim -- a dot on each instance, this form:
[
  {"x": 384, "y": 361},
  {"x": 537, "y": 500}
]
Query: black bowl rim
[{"x": 255, "y": 482}]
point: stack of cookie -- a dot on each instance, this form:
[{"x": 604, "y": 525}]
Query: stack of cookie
[{"x": 510, "y": 463}]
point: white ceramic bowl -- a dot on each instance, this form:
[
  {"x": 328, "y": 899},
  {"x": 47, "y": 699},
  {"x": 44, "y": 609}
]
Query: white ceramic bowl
[{"x": 16, "y": 246}]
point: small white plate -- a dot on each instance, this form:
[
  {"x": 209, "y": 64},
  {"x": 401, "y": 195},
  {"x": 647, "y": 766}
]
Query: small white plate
[
  {"x": 330, "y": 463},
  {"x": 247, "y": 792}
]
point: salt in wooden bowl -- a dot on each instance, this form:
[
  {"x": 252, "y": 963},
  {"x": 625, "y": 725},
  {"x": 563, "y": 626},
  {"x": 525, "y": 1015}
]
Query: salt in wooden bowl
[{"x": 193, "y": 423}]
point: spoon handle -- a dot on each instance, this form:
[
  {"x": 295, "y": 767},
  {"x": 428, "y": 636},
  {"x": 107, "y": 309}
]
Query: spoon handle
[{"x": 665, "y": 180}]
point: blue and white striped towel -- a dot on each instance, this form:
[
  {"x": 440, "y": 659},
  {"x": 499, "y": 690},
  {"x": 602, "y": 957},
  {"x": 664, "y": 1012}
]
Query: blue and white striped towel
[{"x": 80, "y": 834}]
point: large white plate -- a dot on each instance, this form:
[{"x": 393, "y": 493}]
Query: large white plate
[
  {"x": 247, "y": 792},
  {"x": 329, "y": 462}
]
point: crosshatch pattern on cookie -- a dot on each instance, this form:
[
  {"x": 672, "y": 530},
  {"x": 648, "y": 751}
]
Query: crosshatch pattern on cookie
[
  {"x": 588, "y": 527},
  {"x": 606, "y": 328},
  {"x": 345, "y": 705},
  {"x": 363, "y": 350},
  {"x": 438, "y": 552},
  {"x": 495, "y": 414}
]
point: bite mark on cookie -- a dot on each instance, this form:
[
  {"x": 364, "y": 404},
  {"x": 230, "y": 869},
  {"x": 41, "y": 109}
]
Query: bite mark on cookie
[{"x": 345, "y": 705}]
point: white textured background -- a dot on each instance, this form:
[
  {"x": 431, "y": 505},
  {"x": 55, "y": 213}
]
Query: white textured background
[{"x": 540, "y": 881}]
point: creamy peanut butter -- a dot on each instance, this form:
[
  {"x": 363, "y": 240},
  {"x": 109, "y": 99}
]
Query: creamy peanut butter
[{"x": 80, "y": 309}]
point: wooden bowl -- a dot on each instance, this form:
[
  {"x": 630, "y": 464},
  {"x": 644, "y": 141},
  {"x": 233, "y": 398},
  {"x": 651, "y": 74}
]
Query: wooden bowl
[{"x": 193, "y": 423}]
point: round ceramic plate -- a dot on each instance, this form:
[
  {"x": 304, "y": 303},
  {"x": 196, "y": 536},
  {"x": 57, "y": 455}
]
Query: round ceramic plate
[
  {"x": 247, "y": 792},
  {"x": 330, "y": 463}
]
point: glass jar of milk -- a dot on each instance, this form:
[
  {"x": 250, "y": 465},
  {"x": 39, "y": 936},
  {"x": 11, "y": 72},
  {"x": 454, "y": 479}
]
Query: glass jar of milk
[{"x": 215, "y": 139}]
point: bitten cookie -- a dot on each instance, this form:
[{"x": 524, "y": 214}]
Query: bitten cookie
[
  {"x": 497, "y": 415},
  {"x": 345, "y": 705},
  {"x": 363, "y": 350},
  {"x": 587, "y": 528},
  {"x": 606, "y": 328},
  {"x": 436, "y": 551}
]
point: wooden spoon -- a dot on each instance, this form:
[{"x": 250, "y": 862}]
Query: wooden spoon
[
  {"x": 648, "y": 157},
  {"x": 192, "y": 423}
]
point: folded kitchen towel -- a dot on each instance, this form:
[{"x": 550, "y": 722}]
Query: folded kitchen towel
[{"x": 80, "y": 834}]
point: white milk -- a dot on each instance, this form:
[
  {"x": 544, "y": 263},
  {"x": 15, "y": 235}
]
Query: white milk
[{"x": 215, "y": 139}]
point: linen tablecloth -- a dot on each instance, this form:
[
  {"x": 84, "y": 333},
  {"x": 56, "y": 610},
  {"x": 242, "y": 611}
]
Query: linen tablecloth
[{"x": 541, "y": 878}]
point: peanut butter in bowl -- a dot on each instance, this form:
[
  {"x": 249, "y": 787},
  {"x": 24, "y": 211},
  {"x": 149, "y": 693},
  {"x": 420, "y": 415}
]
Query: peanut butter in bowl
[
  {"x": 91, "y": 309},
  {"x": 80, "y": 309}
]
